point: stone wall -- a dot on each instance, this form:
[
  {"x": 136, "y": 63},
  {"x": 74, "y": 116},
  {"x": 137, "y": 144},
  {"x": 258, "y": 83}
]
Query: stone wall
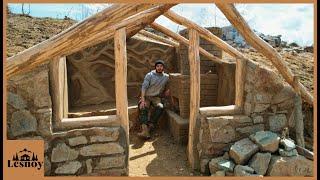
[
  {"x": 98, "y": 151},
  {"x": 29, "y": 106},
  {"x": 91, "y": 71},
  {"x": 269, "y": 105}
]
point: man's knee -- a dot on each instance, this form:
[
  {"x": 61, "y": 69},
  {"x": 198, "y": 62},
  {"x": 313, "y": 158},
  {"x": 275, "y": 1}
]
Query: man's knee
[{"x": 160, "y": 106}]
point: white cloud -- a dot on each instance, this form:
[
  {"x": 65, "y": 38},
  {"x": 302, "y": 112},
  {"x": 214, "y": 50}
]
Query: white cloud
[{"x": 293, "y": 21}]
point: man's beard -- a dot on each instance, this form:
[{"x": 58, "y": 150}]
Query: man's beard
[{"x": 159, "y": 71}]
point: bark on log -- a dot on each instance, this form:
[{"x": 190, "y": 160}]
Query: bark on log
[
  {"x": 255, "y": 41},
  {"x": 89, "y": 32},
  {"x": 239, "y": 82},
  {"x": 298, "y": 118},
  {"x": 120, "y": 54},
  {"x": 184, "y": 41},
  {"x": 194, "y": 61},
  {"x": 158, "y": 38},
  {"x": 219, "y": 110}
]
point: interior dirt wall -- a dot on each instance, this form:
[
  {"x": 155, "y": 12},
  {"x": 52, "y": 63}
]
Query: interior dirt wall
[{"x": 91, "y": 71}]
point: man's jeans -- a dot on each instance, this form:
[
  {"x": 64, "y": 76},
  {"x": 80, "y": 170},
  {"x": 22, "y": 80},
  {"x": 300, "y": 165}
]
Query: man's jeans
[{"x": 157, "y": 104}]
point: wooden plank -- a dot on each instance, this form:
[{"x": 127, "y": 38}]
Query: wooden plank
[
  {"x": 263, "y": 47},
  {"x": 158, "y": 38},
  {"x": 71, "y": 123},
  {"x": 57, "y": 82},
  {"x": 219, "y": 110},
  {"x": 194, "y": 61},
  {"x": 240, "y": 82},
  {"x": 120, "y": 54},
  {"x": 65, "y": 89},
  {"x": 89, "y": 32},
  {"x": 184, "y": 41}
]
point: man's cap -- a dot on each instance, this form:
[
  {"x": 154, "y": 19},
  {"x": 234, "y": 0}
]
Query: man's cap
[{"x": 159, "y": 61}]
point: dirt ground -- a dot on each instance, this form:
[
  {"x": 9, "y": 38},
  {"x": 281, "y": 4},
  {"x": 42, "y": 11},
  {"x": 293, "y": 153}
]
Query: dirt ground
[{"x": 158, "y": 156}]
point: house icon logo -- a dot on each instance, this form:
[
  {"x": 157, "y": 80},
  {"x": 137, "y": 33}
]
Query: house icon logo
[{"x": 25, "y": 159}]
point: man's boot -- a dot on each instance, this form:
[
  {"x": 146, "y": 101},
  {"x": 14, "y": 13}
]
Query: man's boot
[{"x": 145, "y": 131}]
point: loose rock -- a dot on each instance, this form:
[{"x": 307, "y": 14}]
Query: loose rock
[
  {"x": 242, "y": 150},
  {"x": 266, "y": 140}
]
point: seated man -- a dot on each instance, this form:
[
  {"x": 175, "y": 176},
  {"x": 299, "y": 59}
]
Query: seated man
[{"x": 153, "y": 87}]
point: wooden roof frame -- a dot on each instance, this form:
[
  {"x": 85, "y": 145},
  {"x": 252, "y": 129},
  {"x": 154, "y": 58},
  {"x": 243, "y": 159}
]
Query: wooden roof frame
[
  {"x": 101, "y": 27},
  {"x": 121, "y": 21}
]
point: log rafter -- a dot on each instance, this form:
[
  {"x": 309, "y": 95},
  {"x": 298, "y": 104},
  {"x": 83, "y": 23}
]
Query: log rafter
[
  {"x": 100, "y": 27},
  {"x": 263, "y": 47}
]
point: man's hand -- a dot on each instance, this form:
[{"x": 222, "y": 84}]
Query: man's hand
[
  {"x": 167, "y": 93},
  {"x": 142, "y": 103}
]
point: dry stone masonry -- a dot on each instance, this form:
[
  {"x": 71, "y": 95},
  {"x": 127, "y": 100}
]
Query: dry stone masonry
[{"x": 249, "y": 158}]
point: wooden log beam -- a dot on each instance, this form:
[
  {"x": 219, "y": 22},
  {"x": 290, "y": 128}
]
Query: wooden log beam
[
  {"x": 194, "y": 61},
  {"x": 133, "y": 24},
  {"x": 239, "y": 82},
  {"x": 219, "y": 110},
  {"x": 184, "y": 41},
  {"x": 120, "y": 54},
  {"x": 206, "y": 34},
  {"x": 59, "y": 89},
  {"x": 263, "y": 47},
  {"x": 89, "y": 32},
  {"x": 82, "y": 122},
  {"x": 158, "y": 38}
]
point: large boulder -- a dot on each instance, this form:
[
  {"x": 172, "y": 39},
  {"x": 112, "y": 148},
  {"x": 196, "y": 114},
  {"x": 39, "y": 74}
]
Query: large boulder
[
  {"x": 288, "y": 144},
  {"x": 68, "y": 168},
  {"x": 277, "y": 122},
  {"x": 220, "y": 129},
  {"x": 260, "y": 162},
  {"x": 242, "y": 150},
  {"x": 62, "y": 152},
  {"x": 290, "y": 166},
  {"x": 213, "y": 164},
  {"x": 290, "y": 153},
  {"x": 22, "y": 122},
  {"x": 266, "y": 140},
  {"x": 240, "y": 170}
]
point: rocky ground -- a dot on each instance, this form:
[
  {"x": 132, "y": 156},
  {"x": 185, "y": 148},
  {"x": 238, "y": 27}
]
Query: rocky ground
[
  {"x": 300, "y": 63},
  {"x": 158, "y": 156},
  {"x": 24, "y": 32},
  {"x": 264, "y": 153}
]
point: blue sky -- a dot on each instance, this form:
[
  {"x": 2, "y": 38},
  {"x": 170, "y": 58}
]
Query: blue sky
[{"x": 293, "y": 21}]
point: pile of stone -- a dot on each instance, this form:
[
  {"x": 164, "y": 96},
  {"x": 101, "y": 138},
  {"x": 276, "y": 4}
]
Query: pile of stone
[{"x": 262, "y": 154}]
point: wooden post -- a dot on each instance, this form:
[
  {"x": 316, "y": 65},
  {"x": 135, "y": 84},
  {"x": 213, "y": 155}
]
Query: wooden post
[
  {"x": 120, "y": 53},
  {"x": 239, "y": 82},
  {"x": 263, "y": 47},
  {"x": 194, "y": 61},
  {"x": 58, "y": 83}
]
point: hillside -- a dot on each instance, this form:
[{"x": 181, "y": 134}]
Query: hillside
[{"x": 24, "y": 32}]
